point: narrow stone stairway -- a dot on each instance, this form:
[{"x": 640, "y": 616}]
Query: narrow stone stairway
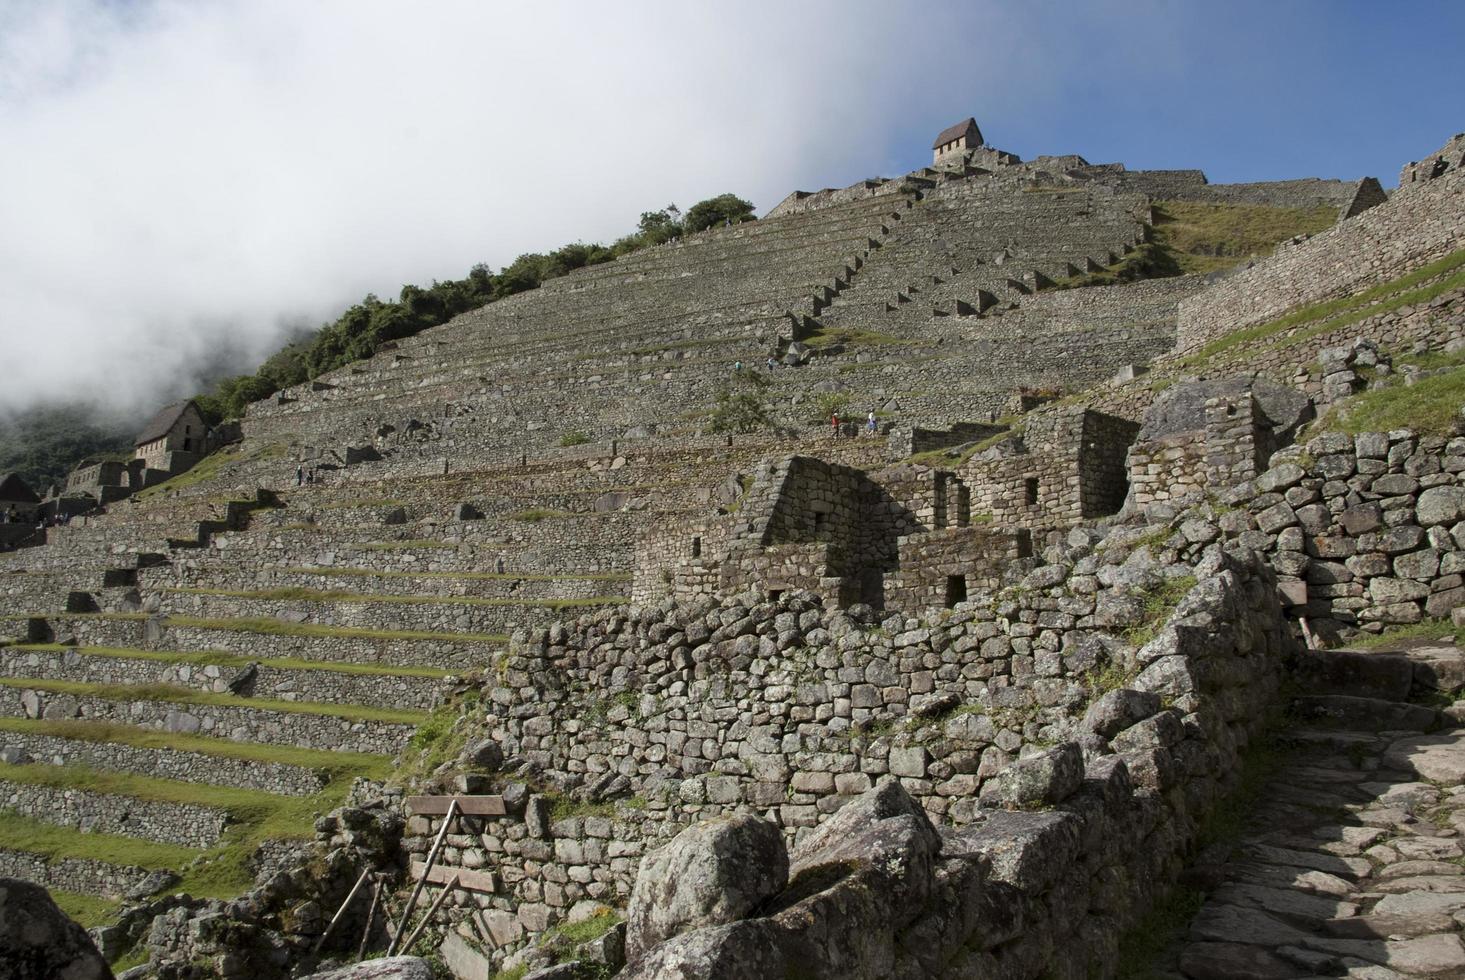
[{"x": 1353, "y": 862}]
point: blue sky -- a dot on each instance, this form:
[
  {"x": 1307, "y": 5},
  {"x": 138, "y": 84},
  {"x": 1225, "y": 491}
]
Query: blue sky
[
  {"x": 182, "y": 177},
  {"x": 1243, "y": 90}
]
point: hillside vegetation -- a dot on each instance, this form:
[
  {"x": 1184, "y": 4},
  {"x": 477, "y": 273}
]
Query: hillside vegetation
[
  {"x": 365, "y": 327},
  {"x": 1190, "y": 238}
]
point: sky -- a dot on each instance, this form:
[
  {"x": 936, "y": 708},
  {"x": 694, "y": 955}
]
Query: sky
[{"x": 184, "y": 182}]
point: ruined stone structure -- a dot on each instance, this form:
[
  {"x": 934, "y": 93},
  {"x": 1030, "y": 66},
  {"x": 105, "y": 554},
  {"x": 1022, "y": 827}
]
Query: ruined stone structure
[
  {"x": 1013, "y": 648},
  {"x": 900, "y": 537}
]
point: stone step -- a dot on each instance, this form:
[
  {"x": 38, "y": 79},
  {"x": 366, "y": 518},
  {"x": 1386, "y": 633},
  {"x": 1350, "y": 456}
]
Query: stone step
[
  {"x": 1365, "y": 714},
  {"x": 1372, "y": 675}
]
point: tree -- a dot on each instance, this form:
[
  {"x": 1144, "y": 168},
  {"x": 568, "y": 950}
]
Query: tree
[{"x": 719, "y": 210}]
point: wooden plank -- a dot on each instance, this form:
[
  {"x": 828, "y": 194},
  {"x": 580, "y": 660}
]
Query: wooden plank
[
  {"x": 477, "y": 881},
  {"x": 473, "y": 806}
]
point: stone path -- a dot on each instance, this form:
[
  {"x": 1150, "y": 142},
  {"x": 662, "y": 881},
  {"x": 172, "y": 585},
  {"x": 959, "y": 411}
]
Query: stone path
[{"x": 1355, "y": 863}]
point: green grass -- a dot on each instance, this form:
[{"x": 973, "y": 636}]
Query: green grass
[
  {"x": 221, "y": 658},
  {"x": 1431, "y": 406},
  {"x": 210, "y": 467},
  {"x": 297, "y": 593},
  {"x": 1190, "y": 238},
  {"x": 336, "y": 765},
  {"x": 1430, "y": 629},
  {"x": 368, "y": 502},
  {"x": 181, "y": 695},
  {"x": 89, "y": 910},
  {"x": 954, "y": 457},
  {"x": 574, "y": 438},
  {"x": 1209, "y": 237},
  {"x": 1312, "y": 319},
  {"x": 19, "y": 833},
  {"x": 1159, "y": 602}
]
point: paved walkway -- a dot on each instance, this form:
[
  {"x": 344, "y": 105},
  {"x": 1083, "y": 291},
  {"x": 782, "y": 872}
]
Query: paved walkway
[{"x": 1355, "y": 864}]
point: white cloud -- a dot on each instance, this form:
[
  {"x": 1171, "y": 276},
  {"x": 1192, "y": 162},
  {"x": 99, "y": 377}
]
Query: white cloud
[{"x": 179, "y": 178}]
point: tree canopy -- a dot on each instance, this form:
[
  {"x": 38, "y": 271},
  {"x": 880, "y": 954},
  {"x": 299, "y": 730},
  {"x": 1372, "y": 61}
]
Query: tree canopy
[{"x": 365, "y": 327}]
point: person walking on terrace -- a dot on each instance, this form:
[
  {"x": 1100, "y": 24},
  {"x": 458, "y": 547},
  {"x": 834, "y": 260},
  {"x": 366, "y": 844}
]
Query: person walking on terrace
[{"x": 834, "y": 425}]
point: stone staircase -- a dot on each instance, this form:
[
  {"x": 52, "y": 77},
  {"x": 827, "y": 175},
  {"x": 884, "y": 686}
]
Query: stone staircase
[{"x": 1351, "y": 862}]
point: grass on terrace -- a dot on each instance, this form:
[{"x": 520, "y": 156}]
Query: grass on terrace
[
  {"x": 181, "y": 695},
  {"x": 853, "y": 337},
  {"x": 1312, "y": 319},
  {"x": 303, "y": 594},
  {"x": 210, "y": 467},
  {"x": 222, "y": 658},
  {"x": 1206, "y": 238},
  {"x": 224, "y": 870},
  {"x": 19, "y": 833},
  {"x": 89, "y": 910},
  {"x": 1430, "y": 406},
  {"x": 1191, "y": 238},
  {"x": 1430, "y": 629},
  {"x": 336, "y": 765}
]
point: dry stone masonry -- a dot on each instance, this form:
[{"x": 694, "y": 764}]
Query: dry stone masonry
[{"x": 952, "y": 699}]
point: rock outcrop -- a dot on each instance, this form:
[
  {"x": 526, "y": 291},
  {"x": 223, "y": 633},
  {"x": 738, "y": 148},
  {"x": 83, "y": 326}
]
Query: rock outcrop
[{"x": 39, "y": 942}]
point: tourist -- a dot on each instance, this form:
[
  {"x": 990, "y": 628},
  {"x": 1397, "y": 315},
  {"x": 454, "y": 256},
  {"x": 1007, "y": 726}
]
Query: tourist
[
  {"x": 870, "y": 422},
  {"x": 498, "y": 565},
  {"x": 772, "y": 364},
  {"x": 834, "y": 425},
  {"x": 737, "y": 365},
  {"x": 299, "y": 475}
]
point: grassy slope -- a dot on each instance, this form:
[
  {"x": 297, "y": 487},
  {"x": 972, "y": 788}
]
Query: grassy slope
[{"x": 1190, "y": 238}]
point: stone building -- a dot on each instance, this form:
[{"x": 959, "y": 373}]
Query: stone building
[
  {"x": 1063, "y": 467},
  {"x": 898, "y": 538},
  {"x": 174, "y": 439},
  {"x": 17, "y": 499},
  {"x": 954, "y": 140}
]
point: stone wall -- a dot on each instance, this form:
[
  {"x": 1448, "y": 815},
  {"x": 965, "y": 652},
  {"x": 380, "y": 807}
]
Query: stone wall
[
  {"x": 1420, "y": 223},
  {"x": 270, "y": 777},
  {"x": 186, "y": 824},
  {"x": 792, "y": 711},
  {"x": 242, "y": 723},
  {"x": 1233, "y": 447},
  {"x": 158, "y": 633},
  {"x": 262, "y": 681},
  {"x": 1364, "y": 531},
  {"x": 1065, "y": 466},
  {"x": 79, "y": 875}
]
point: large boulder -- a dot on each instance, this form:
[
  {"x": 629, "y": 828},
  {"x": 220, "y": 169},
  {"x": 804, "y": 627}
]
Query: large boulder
[
  {"x": 387, "y": 968},
  {"x": 39, "y": 942},
  {"x": 713, "y": 873},
  {"x": 748, "y": 950},
  {"x": 857, "y": 883},
  {"x": 1182, "y": 407}
]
